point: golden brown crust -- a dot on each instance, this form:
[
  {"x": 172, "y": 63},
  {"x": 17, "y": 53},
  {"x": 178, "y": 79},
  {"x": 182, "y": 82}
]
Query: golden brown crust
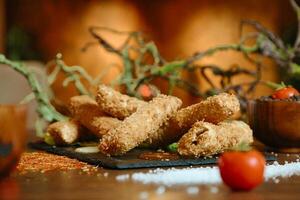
[
  {"x": 116, "y": 104},
  {"x": 84, "y": 105},
  {"x": 139, "y": 126},
  {"x": 214, "y": 110},
  {"x": 87, "y": 112},
  {"x": 101, "y": 125},
  {"x": 64, "y": 132},
  {"x": 205, "y": 139}
]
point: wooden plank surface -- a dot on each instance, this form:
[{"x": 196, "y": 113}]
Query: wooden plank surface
[{"x": 103, "y": 185}]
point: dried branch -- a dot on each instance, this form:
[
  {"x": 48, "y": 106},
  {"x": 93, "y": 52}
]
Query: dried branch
[
  {"x": 136, "y": 71},
  {"x": 262, "y": 30},
  {"x": 211, "y": 51},
  {"x": 73, "y": 74},
  {"x": 297, "y": 11}
]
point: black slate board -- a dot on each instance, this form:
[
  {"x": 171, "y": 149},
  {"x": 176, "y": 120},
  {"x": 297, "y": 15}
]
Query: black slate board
[{"x": 129, "y": 161}]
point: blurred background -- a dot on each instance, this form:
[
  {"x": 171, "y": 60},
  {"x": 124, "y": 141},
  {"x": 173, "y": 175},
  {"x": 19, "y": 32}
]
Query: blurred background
[{"x": 35, "y": 31}]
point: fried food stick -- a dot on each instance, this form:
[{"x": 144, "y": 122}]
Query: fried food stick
[
  {"x": 64, "y": 132},
  {"x": 88, "y": 113},
  {"x": 116, "y": 104},
  {"x": 136, "y": 128},
  {"x": 205, "y": 139},
  {"x": 214, "y": 110}
]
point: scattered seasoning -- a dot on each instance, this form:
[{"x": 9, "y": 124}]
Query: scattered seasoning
[
  {"x": 44, "y": 162},
  {"x": 209, "y": 175},
  {"x": 166, "y": 156}
]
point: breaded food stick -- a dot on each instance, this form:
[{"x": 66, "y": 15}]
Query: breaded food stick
[
  {"x": 101, "y": 125},
  {"x": 64, "y": 132},
  {"x": 139, "y": 126},
  {"x": 214, "y": 110},
  {"x": 205, "y": 139},
  {"x": 116, "y": 104},
  {"x": 88, "y": 113},
  {"x": 84, "y": 106}
]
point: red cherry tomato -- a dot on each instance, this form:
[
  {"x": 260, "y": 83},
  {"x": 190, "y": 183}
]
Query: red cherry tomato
[
  {"x": 285, "y": 93},
  {"x": 145, "y": 91},
  {"x": 242, "y": 170}
]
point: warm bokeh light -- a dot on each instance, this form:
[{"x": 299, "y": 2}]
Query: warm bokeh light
[{"x": 179, "y": 29}]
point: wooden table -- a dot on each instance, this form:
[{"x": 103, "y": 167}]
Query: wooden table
[{"x": 78, "y": 185}]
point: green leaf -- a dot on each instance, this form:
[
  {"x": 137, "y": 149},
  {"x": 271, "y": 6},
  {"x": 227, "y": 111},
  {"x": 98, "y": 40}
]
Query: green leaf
[
  {"x": 49, "y": 139},
  {"x": 172, "y": 147},
  {"x": 275, "y": 86},
  {"x": 243, "y": 146}
]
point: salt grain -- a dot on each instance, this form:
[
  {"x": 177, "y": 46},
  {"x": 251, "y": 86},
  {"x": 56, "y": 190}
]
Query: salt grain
[
  {"x": 286, "y": 170},
  {"x": 208, "y": 175},
  {"x": 143, "y": 195},
  {"x": 275, "y": 163},
  {"x": 192, "y": 190},
  {"x": 160, "y": 190},
  {"x": 122, "y": 177},
  {"x": 214, "y": 190}
]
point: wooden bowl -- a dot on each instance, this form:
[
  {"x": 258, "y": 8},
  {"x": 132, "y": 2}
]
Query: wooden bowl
[
  {"x": 275, "y": 123},
  {"x": 12, "y": 136}
]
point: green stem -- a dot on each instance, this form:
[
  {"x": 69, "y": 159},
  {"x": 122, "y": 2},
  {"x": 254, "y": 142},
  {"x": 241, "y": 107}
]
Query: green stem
[
  {"x": 211, "y": 51},
  {"x": 73, "y": 74},
  {"x": 297, "y": 10},
  {"x": 45, "y": 109},
  {"x": 174, "y": 66},
  {"x": 168, "y": 68},
  {"x": 127, "y": 75},
  {"x": 273, "y": 85}
]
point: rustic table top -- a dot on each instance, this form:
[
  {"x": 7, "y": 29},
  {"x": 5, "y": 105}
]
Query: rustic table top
[{"x": 103, "y": 185}]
